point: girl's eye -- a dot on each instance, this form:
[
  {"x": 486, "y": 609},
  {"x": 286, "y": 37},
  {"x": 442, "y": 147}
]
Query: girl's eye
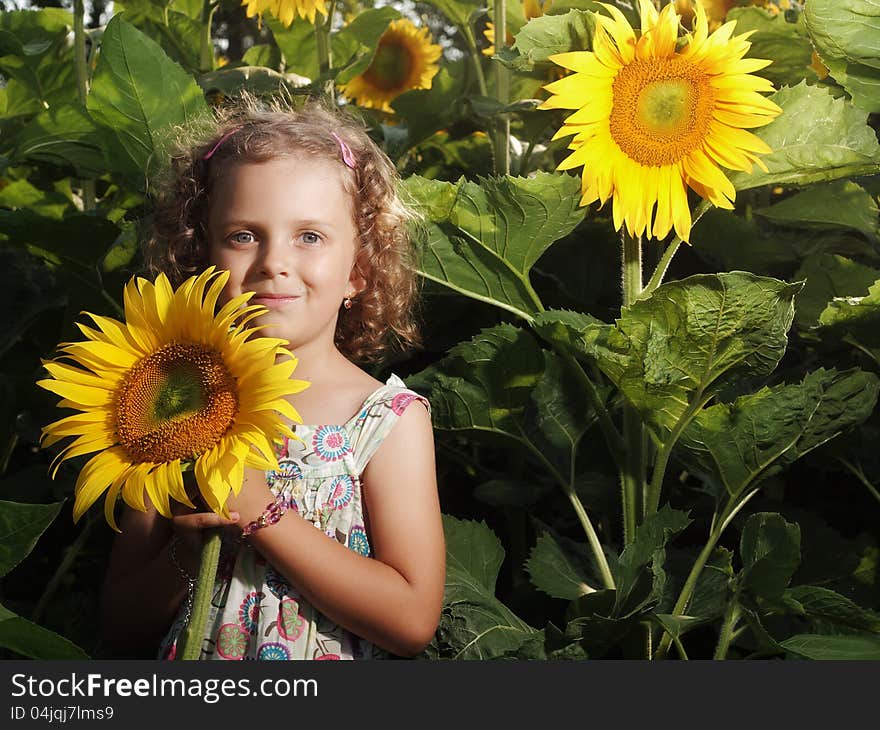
[
  {"x": 311, "y": 238},
  {"x": 242, "y": 237}
]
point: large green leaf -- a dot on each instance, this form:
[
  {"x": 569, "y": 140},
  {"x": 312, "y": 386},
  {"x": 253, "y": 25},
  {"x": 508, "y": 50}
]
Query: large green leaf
[
  {"x": 838, "y": 204},
  {"x": 481, "y": 239},
  {"x": 674, "y": 350},
  {"x": 474, "y": 623},
  {"x": 298, "y": 44},
  {"x": 557, "y": 572},
  {"x": 822, "y": 604},
  {"x": 814, "y": 646},
  {"x": 781, "y": 38},
  {"x": 139, "y": 94},
  {"x": 20, "y": 527},
  {"x": 770, "y": 548},
  {"x": 828, "y": 277},
  {"x": 28, "y": 639},
  {"x": 65, "y": 135},
  {"x": 425, "y": 111},
  {"x": 845, "y": 35},
  {"x": 760, "y": 434},
  {"x": 178, "y": 33},
  {"x": 815, "y": 139},
  {"x": 857, "y": 318}
]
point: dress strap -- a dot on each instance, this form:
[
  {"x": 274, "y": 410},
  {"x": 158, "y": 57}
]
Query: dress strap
[{"x": 377, "y": 417}]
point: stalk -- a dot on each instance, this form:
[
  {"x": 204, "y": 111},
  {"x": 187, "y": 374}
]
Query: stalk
[
  {"x": 731, "y": 616},
  {"x": 632, "y": 475},
  {"x": 195, "y": 629},
  {"x": 663, "y": 264},
  {"x": 325, "y": 51},
  {"x": 476, "y": 59},
  {"x": 82, "y": 86},
  {"x": 502, "y": 92},
  {"x": 684, "y": 597},
  {"x": 860, "y": 475},
  {"x": 206, "y": 43}
]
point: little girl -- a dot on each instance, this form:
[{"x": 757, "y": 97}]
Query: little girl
[{"x": 301, "y": 208}]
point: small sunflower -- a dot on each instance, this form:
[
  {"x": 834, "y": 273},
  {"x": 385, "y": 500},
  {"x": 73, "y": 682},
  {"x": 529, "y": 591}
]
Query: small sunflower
[
  {"x": 531, "y": 9},
  {"x": 405, "y": 59},
  {"x": 286, "y": 10},
  {"x": 652, "y": 120},
  {"x": 717, "y": 10},
  {"x": 174, "y": 384}
]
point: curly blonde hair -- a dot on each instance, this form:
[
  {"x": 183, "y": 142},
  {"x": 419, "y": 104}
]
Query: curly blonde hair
[{"x": 249, "y": 130}]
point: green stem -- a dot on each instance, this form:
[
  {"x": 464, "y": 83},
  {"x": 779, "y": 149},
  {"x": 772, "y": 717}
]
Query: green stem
[
  {"x": 195, "y": 628},
  {"x": 684, "y": 597},
  {"x": 663, "y": 264},
  {"x": 325, "y": 50},
  {"x": 476, "y": 58},
  {"x": 731, "y": 616},
  {"x": 82, "y": 86},
  {"x": 680, "y": 647},
  {"x": 860, "y": 475},
  {"x": 66, "y": 561},
  {"x": 502, "y": 92},
  {"x": 632, "y": 475},
  {"x": 206, "y": 43}
]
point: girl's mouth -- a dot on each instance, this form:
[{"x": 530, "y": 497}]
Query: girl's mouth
[{"x": 273, "y": 301}]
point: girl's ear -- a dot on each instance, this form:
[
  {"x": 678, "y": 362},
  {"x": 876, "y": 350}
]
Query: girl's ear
[{"x": 358, "y": 279}]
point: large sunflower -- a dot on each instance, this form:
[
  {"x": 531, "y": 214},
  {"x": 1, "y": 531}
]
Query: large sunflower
[
  {"x": 652, "y": 120},
  {"x": 174, "y": 384},
  {"x": 285, "y": 10},
  {"x": 405, "y": 59}
]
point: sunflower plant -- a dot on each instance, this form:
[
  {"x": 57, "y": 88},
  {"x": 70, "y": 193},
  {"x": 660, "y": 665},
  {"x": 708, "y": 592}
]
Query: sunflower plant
[{"x": 175, "y": 387}]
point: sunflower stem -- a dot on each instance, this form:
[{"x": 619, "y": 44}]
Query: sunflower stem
[
  {"x": 663, "y": 264},
  {"x": 325, "y": 51},
  {"x": 195, "y": 629},
  {"x": 82, "y": 85},
  {"x": 502, "y": 92},
  {"x": 206, "y": 43},
  {"x": 632, "y": 473},
  {"x": 476, "y": 58}
]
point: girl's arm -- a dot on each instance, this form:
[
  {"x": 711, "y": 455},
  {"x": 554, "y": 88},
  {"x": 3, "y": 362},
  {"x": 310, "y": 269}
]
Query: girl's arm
[{"x": 394, "y": 598}]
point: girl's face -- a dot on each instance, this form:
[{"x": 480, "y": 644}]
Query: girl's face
[{"x": 284, "y": 229}]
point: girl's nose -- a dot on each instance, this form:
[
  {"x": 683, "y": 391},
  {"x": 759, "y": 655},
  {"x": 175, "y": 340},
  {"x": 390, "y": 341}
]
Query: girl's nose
[{"x": 274, "y": 259}]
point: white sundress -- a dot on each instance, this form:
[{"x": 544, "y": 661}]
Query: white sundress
[{"x": 255, "y": 612}]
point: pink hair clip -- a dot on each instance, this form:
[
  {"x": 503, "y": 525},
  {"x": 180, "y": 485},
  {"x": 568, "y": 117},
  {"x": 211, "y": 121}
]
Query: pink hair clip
[
  {"x": 347, "y": 156},
  {"x": 219, "y": 142}
]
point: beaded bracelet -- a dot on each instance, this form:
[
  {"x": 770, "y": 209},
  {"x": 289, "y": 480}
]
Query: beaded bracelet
[
  {"x": 270, "y": 516},
  {"x": 190, "y": 580}
]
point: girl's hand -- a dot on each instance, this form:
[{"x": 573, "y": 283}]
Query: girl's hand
[{"x": 188, "y": 525}]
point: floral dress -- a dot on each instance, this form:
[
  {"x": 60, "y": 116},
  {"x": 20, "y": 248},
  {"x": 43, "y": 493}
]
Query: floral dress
[{"x": 255, "y": 612}]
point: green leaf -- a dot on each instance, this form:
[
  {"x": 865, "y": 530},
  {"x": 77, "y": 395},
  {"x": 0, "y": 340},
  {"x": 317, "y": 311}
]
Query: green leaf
[
  {"x": 770, "y": 549},
  {"x": 838, "y": 204},
  {"x": 828, "y": 277},
  {"x": 426, "y": 111},
  {"x": 676, "y": 349},
  {"x": 355, "y": 44},
  {"x": 713, "y": 586},
  {"x": 21, "y": 194},
  {"x": 816, "y": 138},
  {"x": 762, "y": 433},
  {"x": 781, "y": 38},
  {"x": 139, "y": 94},
  {"x": 845, "y": 36},
  {"x": 20, "y": 527},
  {"x": 458, "y": 11},
  {"x": 65, "y": 135},
  {"x": 481, "y": 239},
  {"x": 33, "y": 641},
  {"x": 475, "y": 624},
  {"x": 263, "y": 54},
  {"x": 297, "y": 43},
  {"x": 553, "y": 571},
  {"x": 177, "y": 33},
  {"x": 256, "y": 79},
  {"x": 821, "y": 603},
  {"x": 635, "y": 586},
  {"x": 541, "y": 37},
  {"x": 856, "y": 318},
  {"x": 814, "y": 646}
]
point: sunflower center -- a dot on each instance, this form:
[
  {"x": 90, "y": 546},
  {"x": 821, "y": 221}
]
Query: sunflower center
[
  {"x": 661, "y": 109},
  {"x": 175, "y": 404},
  {"x": 390, "y": 66}
]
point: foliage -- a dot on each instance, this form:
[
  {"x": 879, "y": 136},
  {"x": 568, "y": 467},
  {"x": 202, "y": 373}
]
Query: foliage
[{"x": 736, "y": 392}]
